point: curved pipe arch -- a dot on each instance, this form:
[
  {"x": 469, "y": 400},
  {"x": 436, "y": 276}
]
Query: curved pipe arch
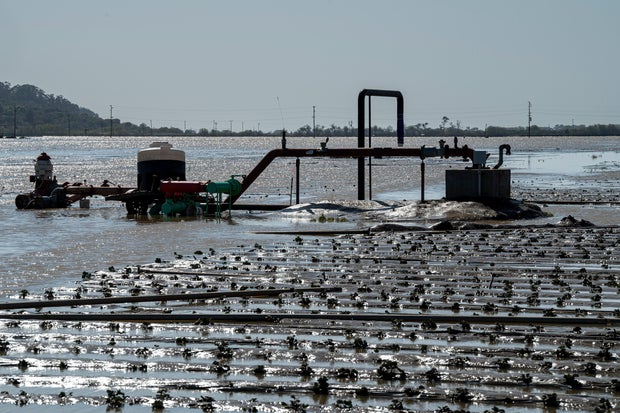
[
  {"x": 361, "y": 118},
  {"x": 361, "y": 115}
]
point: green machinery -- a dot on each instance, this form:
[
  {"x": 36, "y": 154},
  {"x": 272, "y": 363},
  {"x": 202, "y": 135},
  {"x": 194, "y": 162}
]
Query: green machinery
[
  {"x": 230, "y": 187},
  {"x": 180, "y": 196}
]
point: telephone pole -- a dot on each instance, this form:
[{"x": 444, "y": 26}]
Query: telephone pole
[
  {"x": 314, "y": 121},
  {"x": 529, "y": 119},
  {"x": 14, "y": 121},
  {"x": 110, "y": 121}
]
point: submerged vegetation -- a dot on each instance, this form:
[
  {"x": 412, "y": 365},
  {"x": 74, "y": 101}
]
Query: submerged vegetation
[{"x": 313, "y": 345}]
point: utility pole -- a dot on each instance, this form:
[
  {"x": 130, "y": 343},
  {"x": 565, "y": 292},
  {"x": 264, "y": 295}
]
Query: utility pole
[
  {"x": 370, "y": 146},
  {"x": 110, "y": 121},
  {"x": 231, "y": 125},
  {"x": 529, "y": 119},
  {"x": 14, "y": 121},
  {"x": 314, "y": 121}
]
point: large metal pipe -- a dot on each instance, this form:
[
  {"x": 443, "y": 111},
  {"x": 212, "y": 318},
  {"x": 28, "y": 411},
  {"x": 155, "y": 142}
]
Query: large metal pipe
[
  {"x": 359, "y": 153},
  {"x": 502, "y": 148},
  {"x": 20, "y": 305},
  {"x": 245, "y": 318},
  {"x": 361, "y": 118},
  {"x": 400, "y": 108},
  {"x": 88, "y": 190},
  {"x": 422, "y": 178},
  {"x": 297, "y": 162}
]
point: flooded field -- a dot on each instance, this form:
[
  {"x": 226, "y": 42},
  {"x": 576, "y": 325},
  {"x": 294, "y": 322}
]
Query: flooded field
[
  {"x": 310, "y": 309},
  {"x": 518, "y": 319}
]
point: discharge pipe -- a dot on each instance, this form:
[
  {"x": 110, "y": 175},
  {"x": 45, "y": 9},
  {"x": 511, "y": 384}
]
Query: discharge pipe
[{"x": 502, "y": 148}]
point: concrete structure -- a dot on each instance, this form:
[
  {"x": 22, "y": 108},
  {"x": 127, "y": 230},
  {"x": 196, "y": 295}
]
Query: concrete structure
[{"x": 473, "y": 184}]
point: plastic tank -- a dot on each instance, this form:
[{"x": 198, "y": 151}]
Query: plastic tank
[
  {"x": 159, "y": 162},
  {"x": 43, "y": 168}
]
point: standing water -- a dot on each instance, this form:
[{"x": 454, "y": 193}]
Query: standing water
[
  {"x": 101, "y": 251},
  {"x": 42, "y": 247}
]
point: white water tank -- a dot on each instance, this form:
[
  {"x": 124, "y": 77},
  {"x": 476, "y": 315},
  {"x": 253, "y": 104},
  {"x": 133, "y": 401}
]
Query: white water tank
[
  {"x": 159, "y": 162},
  {"x": 43, "y": 168}
]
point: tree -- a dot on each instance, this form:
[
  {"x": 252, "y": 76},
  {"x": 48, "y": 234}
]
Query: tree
[{"x": 444, "y": 121}]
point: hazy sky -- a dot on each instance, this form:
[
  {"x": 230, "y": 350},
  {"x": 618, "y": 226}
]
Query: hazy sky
[{"x": 196, "y": 62}]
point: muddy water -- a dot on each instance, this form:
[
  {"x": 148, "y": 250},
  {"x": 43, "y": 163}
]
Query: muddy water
[{"x": 47, "y": 252}]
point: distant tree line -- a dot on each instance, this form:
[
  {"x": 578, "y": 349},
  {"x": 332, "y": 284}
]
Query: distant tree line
[
  {"x": 499, "y": 131},
  {"x": 26, "y": 110}
]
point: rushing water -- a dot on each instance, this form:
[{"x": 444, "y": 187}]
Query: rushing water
[{"x": 46, "y": 248}]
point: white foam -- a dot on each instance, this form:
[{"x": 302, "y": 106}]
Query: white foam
[{"x": 394, "y": 210}]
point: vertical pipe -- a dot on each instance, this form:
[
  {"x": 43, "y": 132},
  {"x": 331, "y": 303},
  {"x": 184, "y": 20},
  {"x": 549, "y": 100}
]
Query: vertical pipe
[
  {"x": 370, "y": 146},
  {"x": 230, "y": 201},
  {"x": 218, "y": 207},
  {"x": 360, "y": 144},
  {"x": 297, "y": 181},
  {"x": 400, "y": 121},
  {"x": 422, "y": 170}
]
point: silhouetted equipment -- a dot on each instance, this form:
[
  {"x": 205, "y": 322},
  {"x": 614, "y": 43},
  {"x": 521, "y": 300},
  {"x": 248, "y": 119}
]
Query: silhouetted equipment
[{"x": 162, "y": 188}]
